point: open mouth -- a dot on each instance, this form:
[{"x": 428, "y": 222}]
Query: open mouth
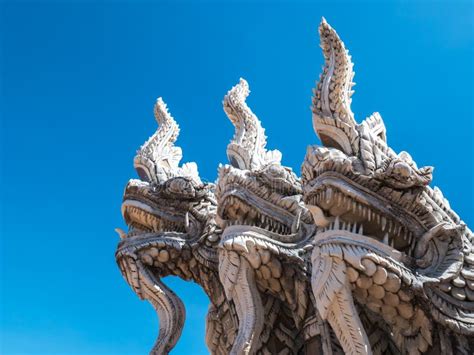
[
  {"x": 235, "y": 211},
  {"x": 141, "y": 218},
  {"x": 352, "y": 209}
]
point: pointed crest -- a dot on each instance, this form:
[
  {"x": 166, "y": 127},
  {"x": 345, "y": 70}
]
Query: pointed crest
[
  {"x": 247, "y": 149},
  {"x": 158, "y": 159},
  {"x": 333, "y": 120}
]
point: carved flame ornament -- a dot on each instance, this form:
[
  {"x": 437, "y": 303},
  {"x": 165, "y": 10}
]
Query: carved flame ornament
[{"x": 359, "y": 256}]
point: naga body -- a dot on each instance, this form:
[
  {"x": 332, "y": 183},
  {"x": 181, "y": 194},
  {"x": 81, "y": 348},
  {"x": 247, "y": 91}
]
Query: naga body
[
  {"x": 172, "y": 231},
  {"x": 359, "y": 256},
  {"x": 265, "y": 228},
  {"x": 392, "y": 265}
]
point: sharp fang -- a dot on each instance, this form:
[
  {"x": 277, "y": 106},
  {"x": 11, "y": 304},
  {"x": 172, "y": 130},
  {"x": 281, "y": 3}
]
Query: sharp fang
[
  {"x": 354, "y": 228},
  {"x": 361, "y": 229},
  {"x": 385, "y": 238},
  {"x": 328, "y": 195},
  {"x": 296, "y": 223},
  {"x": 186, "y": 220},
  {"x": 336, "y": 223},
  {"x": 121, "y": 233},
  {"x": 384, "y": 223}
]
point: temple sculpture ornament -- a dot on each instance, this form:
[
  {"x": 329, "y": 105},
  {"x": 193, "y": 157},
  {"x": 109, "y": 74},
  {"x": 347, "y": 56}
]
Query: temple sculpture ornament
[{"x": 358, "y": 256}]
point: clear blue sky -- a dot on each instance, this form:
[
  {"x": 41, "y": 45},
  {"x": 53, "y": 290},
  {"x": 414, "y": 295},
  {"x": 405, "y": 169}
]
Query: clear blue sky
[{"x": 78, "y": 84}]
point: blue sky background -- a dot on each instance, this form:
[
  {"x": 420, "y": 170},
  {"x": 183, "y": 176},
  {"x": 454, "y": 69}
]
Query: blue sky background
[{"x": 78, "y": 84}]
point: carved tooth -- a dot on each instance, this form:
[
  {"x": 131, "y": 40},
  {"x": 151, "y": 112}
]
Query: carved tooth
[
  {"x": 383, "y": 223},
  {"x": 361, "y": 229},
  {"x": 296, "y": 223},
  {"x": 385, "y": 238},
  {"x": 329, "y": 195},
  {"x": 354, "y": 228},
  {"x": 336, "y": 223}
]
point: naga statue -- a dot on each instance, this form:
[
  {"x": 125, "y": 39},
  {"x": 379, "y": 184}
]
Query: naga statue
[
  {"x": 392, "y": 264},
  {"x": 358, "y": 256},
  {"x": 172, "y": 231},
  {"x": 265, "y": 227}
]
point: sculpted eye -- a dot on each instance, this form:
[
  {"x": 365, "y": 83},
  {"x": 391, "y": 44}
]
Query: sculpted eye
[
  {"x": 181, "y": 186},
  {"x": 275, "y": 171},
  {"x": 402, "y": 169}
]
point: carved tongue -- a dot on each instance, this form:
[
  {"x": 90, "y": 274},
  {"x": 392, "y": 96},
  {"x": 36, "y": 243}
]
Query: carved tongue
[
  {"x": 318, "y": 215},
  {"x": 168, "y": 306}
]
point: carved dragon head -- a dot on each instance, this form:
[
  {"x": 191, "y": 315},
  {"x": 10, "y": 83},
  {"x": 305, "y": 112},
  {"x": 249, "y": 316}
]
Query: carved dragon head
[
  {"x": 362, "y": 193},
  {"x": 265, "y": 226},
  {"x": 170, "y": 215},
  {"x": 256, "y": 190},
  {"x": 356, "y": 176}
]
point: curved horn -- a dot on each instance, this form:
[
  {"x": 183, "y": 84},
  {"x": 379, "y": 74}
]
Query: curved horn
[
  {"x": 333, "y": 120},
  {"x": 158, "y": 159},
  {"x": 247, "y": 149},
  {"x": 168, "y": 306}
]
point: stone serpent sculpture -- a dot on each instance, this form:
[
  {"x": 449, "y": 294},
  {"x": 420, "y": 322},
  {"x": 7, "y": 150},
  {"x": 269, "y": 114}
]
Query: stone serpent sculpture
[{"x": 359, "y": 256}]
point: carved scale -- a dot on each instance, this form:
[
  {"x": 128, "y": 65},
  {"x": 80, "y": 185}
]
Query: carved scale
[{"x": 359, "y": 256}]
